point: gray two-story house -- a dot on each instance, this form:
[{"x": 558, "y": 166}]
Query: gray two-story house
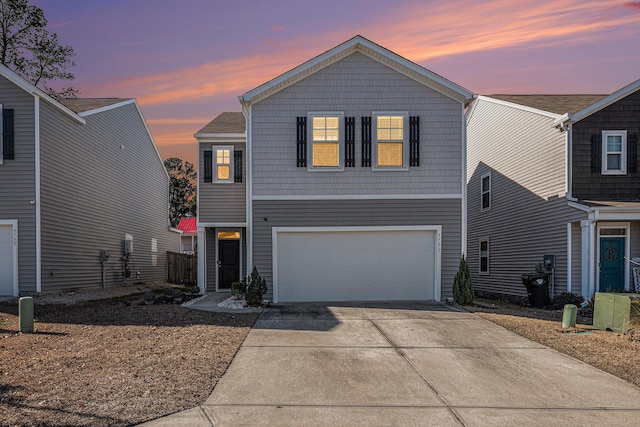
[
  {"x": 342, "y": 179},
  {"x": 84, "y": 198},
  {"x": 554, "y": 175}
]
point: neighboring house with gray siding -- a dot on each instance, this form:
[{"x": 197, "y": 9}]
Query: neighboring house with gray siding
[
  {"x": 554, "y": 175},
  {"x": 77, "y": 177},
  {"x": 341, "y": 180}
]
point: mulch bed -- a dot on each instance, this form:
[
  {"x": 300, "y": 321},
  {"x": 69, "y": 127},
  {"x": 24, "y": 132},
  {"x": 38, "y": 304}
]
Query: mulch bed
[{"x": 112, "y": 363}]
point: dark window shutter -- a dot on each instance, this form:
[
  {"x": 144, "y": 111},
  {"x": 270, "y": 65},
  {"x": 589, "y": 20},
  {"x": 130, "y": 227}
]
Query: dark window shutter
[
  {"x": 302, "y": 142},
  {"x": 7, "y": 134},
  {"x": 208, "y": 166},
  {"x": 237, "y": 166},
  {"x": 349, "y": 142},
  {"x": 632, "y": 152},
  {"x": 596, "y": 153},
  {"x": 414, "y": 141},
  {"x": 366, "y": 142}
]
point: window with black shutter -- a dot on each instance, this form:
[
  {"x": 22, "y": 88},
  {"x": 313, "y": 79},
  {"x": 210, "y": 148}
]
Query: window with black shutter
[
  {"x": 7, "y": 134},
  {"x": 208, "y": 166},
  {"x": 632, "y": 152},
  {"x": 596, "y": 152},
  {"x": 301, "y": 145},
  {"x": 349, "y": 142},
  {"x": 237, "y": 166}
]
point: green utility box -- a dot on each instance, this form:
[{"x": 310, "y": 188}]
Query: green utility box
[
  {"x": 25, "y": 314},
  {"x": 615, "y": 312}
]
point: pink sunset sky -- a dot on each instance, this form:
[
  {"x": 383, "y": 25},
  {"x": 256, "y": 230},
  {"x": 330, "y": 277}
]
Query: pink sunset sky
[{"x": 186, "y": 61}]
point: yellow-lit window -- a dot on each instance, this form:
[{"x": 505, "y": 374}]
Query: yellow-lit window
[
  {"x": 326, "y": 141},
  {"x": 223, "y": 164},
  {"x": 390, "y": 139}
]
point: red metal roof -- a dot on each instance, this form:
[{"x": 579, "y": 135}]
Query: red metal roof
[{"x": 188, "y": 226}]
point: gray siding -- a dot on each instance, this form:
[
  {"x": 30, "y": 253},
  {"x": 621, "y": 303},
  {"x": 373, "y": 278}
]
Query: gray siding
[
  {"x": 100, "y": 181},
  {"x": 588, "y": 185},
  {"x": 269, "y": 214},
  {"x": 635, "y": 248},
  {"x": 222, "y": 202},
  {"x": 17, "y": 181},
  {"x": 357, "y": 86},
  {"x": 528, "y": 217},
  {"x": 576, "y": 258}
]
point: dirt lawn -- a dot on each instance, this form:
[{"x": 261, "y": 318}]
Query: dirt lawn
[
  {"x": 117, "y": 362},
  {"x": 111, "y": 363}
]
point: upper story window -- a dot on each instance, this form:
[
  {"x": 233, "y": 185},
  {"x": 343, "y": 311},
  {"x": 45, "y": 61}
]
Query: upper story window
[
  {"x": 483, "y": 267},
  {"x": 223, "y": 164},
  {"x": 485, "y": 191},
  {"x": 614, "y": 152},
  {"x": 326, "y": 143},
  {"x": 391, "y": 143}
]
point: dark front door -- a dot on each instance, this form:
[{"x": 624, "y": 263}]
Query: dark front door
[
  {"x": 611, "y": 263},
  {"x": 228, "y": 262}
]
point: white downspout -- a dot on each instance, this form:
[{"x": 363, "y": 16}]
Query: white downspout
[
  {"x": 38, "y": 199},
  {"x": 246, "y": 111}
]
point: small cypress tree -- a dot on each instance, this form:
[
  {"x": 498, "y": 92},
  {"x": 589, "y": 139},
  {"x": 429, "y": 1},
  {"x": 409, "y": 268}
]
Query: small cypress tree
[
  {"x": 256, "y": 288},
  {"x": 462, "y": 289}
]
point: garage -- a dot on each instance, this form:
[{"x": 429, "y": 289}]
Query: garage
[
  {"x": 8, "y": 258},
  {"x": 356, "y": 263}
]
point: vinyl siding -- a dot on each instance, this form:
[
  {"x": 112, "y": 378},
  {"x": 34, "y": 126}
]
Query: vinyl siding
[
  {"x": 17, "y": 181},
  {"x": 356, "y": 86},
  {"x": 100, "y": 181},
  {"x": 222, "y": 202},
  {"x": 587, "y": 185},
  {"x": 576, "y": 258},
  {"x": 525, "y": 156},
  {"x": 447, "y": 213},
  {"x": 635, "y": 248}
]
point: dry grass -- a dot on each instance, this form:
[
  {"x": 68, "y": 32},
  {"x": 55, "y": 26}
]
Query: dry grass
[
  {"x": 112, "y": 363},
  {"x": 615, "y": 353}
]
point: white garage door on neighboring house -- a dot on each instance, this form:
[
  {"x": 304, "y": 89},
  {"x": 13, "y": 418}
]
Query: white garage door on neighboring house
[
  {"x": 356, "y": 263},
  {"x": 8, "y": 261}
]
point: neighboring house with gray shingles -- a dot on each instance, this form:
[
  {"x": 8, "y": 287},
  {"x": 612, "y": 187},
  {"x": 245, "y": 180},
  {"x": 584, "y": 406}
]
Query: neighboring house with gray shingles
[
  {"x": 341, "y": 180},
  {"x": 554, "y": 175},
  {"x": 77, "y": 177}
]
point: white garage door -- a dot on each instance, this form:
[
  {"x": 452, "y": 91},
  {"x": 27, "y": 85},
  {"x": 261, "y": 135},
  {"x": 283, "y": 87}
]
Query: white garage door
[
  {"x": 7, "y": 265},
  {"x": 356, "y": 264}
]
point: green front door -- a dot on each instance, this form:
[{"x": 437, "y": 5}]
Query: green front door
[{"x": 611, "y": 264}]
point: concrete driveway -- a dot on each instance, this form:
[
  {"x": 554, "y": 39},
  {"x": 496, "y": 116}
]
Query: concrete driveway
[{"x": 405, "y": 364}]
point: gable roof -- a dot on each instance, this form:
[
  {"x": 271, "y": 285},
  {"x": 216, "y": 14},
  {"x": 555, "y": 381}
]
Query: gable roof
[
  {"x": 225, "y": 123},
  {"x": 33, "y": 90},
  {"x": 370, "y": 49},
  {"x": 557, "y": 104},
  {"x": 603, "y": 103},
  {"x": 85, "y": 105}
]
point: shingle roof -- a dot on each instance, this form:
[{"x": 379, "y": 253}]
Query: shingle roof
[
  {"x": 225, "y": 123},
  {"x": 80, "y": 105},
  {"x": 558, "y": 104}
]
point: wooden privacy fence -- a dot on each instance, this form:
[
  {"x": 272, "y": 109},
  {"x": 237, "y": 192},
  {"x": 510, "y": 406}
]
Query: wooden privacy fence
[{"x": 182, "y": 268}]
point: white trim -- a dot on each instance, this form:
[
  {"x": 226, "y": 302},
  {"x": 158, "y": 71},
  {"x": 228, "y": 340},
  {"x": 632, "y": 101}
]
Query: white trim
[
  {"x": 488, "y": 208},
  {"x": 217, "y": 136},
  {"x": 605, "y": 102},
  {"x": 220, "y": 224},
  {"x": 14, "y": 230},
  {"x": 360, "y": 197},
  {"x": 578, "y": 206},
  {"x": 437, "y": 291},
  {"x": 480, "y": 272},
  {"x": 405, "y": 141},
  {"x": 107, "y": 107},
  {"x": 568, "y": 163},
  {"x": 310, "y": 142},
  {"x": 214, "y": 164},
  {"x": 627, "y": 248},
  {"x": 217, "y": 252},
  {"x": 38, "y": 198},
  {"x": 585, "y": 247},
  {"x": 520, "y": 107},
  {"x": 247, "y": 110},
  {"x": 370, "y": 49},
  {"x": 569, "y": 257},
  {"x": 464, "y": 185},
  {"x": 623, "y": 152}
]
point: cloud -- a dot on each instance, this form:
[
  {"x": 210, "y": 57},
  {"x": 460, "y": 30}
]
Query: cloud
[
  {"x": 277, "y": 27},
  {"x": 632, "y": 5}
]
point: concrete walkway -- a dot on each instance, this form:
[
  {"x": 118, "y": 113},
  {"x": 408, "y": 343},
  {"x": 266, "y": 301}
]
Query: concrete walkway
[{"x": 404, "y": 364}]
